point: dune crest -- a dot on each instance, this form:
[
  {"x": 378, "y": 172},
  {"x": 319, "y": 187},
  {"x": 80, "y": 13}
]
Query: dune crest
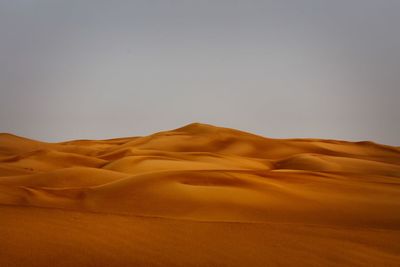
[{"x": 200, "y": 174}]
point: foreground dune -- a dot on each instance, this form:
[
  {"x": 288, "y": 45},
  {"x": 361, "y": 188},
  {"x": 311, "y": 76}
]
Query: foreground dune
[{"x": 199, "y": 195}]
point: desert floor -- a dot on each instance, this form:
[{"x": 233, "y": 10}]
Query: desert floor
[{"x": 199, "y": 195}]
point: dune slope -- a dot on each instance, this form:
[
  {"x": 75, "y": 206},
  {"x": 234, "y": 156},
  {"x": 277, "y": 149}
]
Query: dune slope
[{"x": 199, "y": 195}]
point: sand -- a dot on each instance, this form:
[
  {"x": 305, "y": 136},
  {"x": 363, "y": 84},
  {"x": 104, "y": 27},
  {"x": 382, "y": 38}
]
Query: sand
[{"x": 199, "y": 195}]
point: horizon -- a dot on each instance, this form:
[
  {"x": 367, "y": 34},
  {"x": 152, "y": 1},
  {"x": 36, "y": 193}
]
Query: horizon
[{"x": 197, "y": 124}]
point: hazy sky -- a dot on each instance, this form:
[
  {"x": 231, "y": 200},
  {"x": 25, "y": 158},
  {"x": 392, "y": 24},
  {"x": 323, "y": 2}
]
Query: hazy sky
[{"x": 102, "y": 69}]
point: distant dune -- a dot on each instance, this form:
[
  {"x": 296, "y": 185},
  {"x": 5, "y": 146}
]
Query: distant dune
[{"x": 199, "y": 195}]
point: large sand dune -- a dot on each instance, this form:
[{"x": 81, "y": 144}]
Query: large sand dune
[{"x": 199, "y": 195}]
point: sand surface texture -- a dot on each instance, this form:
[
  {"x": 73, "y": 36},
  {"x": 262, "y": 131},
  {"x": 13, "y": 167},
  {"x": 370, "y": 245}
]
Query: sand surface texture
[{"x": 199, "y": 195}]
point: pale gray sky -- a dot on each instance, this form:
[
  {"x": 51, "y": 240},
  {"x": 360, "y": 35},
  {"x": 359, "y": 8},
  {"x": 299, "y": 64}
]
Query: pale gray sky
[{"x": 102, "y": 69}]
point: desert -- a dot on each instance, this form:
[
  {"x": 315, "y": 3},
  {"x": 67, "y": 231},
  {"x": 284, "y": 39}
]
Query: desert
[{"x": 199, "y": 195}]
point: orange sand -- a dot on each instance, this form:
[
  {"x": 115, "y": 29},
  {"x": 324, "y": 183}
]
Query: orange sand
[{"x": 199, "y": 195}]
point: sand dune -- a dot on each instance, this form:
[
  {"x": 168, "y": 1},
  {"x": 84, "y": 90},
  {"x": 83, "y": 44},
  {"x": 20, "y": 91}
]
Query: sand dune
[
  {"x": 65, "y": 177},
  {"x": 46, "y": 160},
  {"x": 199, "y": 195},
  {"x": 13, "y": 145}
]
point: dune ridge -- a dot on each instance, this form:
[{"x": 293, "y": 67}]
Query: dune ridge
[{"x": 202, "y": 175}]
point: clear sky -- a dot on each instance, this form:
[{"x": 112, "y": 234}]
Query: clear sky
[{"x": 102, "y": 69}]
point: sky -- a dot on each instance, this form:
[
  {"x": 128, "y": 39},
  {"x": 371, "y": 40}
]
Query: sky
[{"x": 82, "y": 69}]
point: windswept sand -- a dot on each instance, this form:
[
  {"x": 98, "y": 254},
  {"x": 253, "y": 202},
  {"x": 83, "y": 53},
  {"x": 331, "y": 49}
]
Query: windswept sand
[{"x": 199, "y": 195}]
